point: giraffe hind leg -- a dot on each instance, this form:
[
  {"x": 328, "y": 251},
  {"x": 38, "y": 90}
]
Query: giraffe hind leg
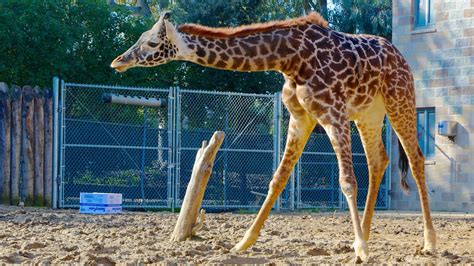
[
  {"x": 402, "y": 114},
  {"x": 370, "y": 129}
]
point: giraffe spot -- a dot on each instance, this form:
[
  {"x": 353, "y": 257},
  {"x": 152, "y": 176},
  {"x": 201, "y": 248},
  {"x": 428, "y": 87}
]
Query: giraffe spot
[
  {"x": 221, "y": 64},
  {"x": 232, "y": 42},
  {"x": 246, "y": 66},
  {"x": 149, "y": 58},
  {"x": 221, "y": 44},
  {"x": 259, "y": 63},
  {"x": 255, "y": 39},
  {"x": 237, "y": 62},
  {"x": 294, "y": 42},
  {"x": 312, "y": 34},
  {"x": 338, "y": 67},
  {"x": 200, "y": 52},
  {"x": 224, "y": 56},
  {"x": 237, "y": 50},
  {"x": 250, "y": 51},
  {"x": 359, "y": 99},
  {"x": 201, "y": 61},
  {"x": 212, "y": 57},
  {"x": 191, "y": 46},
  {"x": 284, "y": 49},
  {"x": 211, "y": 45},
  {"x": 203, "y": 41},
  {"x": 263, "y": 49}
]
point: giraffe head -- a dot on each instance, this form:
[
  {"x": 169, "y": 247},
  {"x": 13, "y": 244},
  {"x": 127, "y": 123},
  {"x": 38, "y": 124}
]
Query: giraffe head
[{"x": 157, "y": 46}]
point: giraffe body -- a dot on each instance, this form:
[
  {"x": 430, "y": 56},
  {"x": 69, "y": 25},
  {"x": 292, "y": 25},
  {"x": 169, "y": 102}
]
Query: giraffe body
[{"x": 331, "y": 78}]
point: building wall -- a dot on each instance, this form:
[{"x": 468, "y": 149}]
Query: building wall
[{"x": 442, "y": 61}]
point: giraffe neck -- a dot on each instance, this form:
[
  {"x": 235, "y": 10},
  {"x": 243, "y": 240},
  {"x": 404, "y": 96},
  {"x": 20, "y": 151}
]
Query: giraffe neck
[{"x": 271, "y": 50}]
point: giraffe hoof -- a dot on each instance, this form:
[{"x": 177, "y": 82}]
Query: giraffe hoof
[
  {"x": 429, "y": 245},
  {"x": 240, "y": 247},
  {"x": 361, "y": 250}
]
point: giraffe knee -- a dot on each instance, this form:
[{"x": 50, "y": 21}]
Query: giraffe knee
[{"x": 348, "y": 186}]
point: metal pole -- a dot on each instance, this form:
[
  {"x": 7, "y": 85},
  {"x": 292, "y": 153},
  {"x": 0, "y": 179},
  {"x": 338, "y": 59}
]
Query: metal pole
[
  {"x": 142, "y": 175},
  {"x": 298, "y": 182},
  {"x": 55, "y": 141},
  {"x": 276, "y": 138},
  {"x": 226, "y": 145},
  {"x": 62, "y": 141},
  {"x": 171, "y": 201},
  {"x": 388, "y": 171},
  {"x": 177, "y": 142}
]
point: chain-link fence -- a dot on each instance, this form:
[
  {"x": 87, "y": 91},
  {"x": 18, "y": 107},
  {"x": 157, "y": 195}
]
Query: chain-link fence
[{"x": 146, "y": 152}]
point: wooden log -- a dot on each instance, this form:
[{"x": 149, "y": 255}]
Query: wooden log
[
  {"x": 48, "y": 147},
  {"x": 27, "y": 147},
  {"x": 38, "y": 150},
  {"x": 16, "y": 145},
  {"x": 5, "y": 127},
  {"x": 186, "y": 225}
]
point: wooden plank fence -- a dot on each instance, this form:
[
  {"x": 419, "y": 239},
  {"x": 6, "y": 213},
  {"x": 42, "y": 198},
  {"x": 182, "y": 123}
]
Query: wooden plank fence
[{"x": 26, "y": 116}]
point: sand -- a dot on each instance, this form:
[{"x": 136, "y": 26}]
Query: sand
[{"x": 34, "y": 235}]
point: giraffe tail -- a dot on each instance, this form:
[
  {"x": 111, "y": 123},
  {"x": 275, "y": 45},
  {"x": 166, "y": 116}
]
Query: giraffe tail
[{"x": 403, "y": 167}]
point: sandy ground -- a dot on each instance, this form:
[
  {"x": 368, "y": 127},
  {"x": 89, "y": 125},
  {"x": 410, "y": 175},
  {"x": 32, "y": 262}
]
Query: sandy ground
[{"x": 29, "y": 235}]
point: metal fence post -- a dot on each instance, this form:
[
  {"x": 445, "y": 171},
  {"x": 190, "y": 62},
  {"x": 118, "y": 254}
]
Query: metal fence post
[
  {"x": 177, "y": 128},
  {"x": 171, "y": 103},
  {"x": 388, "y": 171},
  {"x": 142, "y": 170},
  {"x": 62, "y": 138},
  {"x": 276, "y": 137},
  {"x": 55, "y": 158},
  {"x": 298, "y": 183}
]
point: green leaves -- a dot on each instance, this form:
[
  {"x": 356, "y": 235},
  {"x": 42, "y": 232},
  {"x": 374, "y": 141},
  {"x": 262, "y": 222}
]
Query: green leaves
[{"x": 77, "y": 40}]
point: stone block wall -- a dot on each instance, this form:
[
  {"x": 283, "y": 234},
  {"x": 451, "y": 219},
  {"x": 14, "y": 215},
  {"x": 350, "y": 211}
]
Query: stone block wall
[{"x": 441, "y": 57}]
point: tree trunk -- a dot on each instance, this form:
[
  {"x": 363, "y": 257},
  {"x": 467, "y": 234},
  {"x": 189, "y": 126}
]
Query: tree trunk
[
  {"x": 38, "y": 145},
  {"x": 48, "y": 148},
  {"x": 16, "y": 145},
  {"x": 186, "y": 225},
  {"x": 5, "y": 127},
  {"x": 323, "y": 4},
  {"x": 27, "y": 137}
]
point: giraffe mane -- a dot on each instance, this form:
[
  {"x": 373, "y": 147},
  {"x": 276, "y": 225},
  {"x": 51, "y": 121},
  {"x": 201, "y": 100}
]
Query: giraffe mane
[{"x": 226, "y": 32}]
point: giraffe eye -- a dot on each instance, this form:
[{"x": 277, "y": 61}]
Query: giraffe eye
[{"x": 152, "y": 44}]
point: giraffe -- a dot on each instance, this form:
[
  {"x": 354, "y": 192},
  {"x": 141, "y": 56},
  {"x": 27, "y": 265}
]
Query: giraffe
[{"x": 331, "y": 78}]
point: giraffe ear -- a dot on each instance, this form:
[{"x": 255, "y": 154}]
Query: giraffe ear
[
  {"x": 170, "y": 30},
  {"x": 165, "y": 15}
]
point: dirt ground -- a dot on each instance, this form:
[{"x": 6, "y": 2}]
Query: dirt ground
[{"x": 32, "y": 235}]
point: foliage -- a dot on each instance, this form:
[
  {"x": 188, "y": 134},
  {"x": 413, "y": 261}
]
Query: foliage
[
  {"x": 74, "y": 40},
  {"x": 77, "y": 40}
]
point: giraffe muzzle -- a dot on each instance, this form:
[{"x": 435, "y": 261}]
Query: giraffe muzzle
[{"x": 120, "y": 65}]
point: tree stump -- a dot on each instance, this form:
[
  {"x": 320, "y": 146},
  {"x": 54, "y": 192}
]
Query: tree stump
[{"x": 186, "y": 225}]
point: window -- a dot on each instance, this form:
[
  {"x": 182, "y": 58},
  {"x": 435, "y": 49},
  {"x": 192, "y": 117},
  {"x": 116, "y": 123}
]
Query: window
[
  {"x": 424, "y": 13},
  {"x": 426, "y": 129}
]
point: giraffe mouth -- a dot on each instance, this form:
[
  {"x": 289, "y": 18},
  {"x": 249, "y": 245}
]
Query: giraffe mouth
[
  {"x": 120, "y": 68},
  {"x": 119, "y": 65}
]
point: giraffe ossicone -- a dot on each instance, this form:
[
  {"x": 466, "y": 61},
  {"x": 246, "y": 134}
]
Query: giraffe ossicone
[{"x": 331, "y": 78}]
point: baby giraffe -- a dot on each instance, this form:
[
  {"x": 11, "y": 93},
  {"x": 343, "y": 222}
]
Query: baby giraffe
[{"x": 331, "y": 78}]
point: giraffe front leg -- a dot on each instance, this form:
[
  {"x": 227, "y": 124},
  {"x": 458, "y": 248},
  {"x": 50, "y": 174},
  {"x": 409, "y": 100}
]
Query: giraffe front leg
[
  {"x": 299, "y": 130},
  {"x": 340, "y": 136}
]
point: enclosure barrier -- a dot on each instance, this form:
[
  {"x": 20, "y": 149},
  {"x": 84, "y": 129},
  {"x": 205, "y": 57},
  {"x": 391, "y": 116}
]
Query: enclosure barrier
[
  {"x": 26, "y": 122},
  {"x": 142, "y": 142}
]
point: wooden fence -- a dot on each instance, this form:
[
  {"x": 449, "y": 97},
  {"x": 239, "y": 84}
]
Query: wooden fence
[{"x": 26, "y": 123}]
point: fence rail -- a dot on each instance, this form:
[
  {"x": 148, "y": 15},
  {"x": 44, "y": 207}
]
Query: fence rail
[
  {"x": 26, "y": 121},
  {"x": 147, "y": 153}
]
